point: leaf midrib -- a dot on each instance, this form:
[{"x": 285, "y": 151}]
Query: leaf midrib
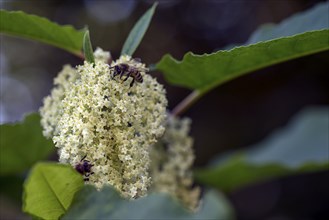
[{"x": 51, "y": 189}]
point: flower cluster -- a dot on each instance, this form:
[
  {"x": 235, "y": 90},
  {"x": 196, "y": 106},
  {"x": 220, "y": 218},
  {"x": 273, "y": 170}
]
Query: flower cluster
[
  {"x": 52, "y": 105},
  {"x": 51, "y": 109},
  {"x": 113, "y": 125},
  {"x": 172, "y": 158}
]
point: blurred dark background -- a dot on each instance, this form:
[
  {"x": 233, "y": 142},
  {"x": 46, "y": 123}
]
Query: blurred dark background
[{"x": 233, "y": 116}]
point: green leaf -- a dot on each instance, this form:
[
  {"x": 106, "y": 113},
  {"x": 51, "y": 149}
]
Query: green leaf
[
  {"x": 300, "y": 147},
  {"x": 108, "y": 204},
  {"x": 50, "y": 189},
  {"x": 239, "y": 172},
  {"x": 87, "y": 48},
  {"x": 204, "y": 72},
  {"x": 22, "y": 144},
  {"x": 20, "y": 24},
  {"x": 12, "y": 188},
  {"x": 313, "y": 19},
  {"x": 136, "y": 34}
]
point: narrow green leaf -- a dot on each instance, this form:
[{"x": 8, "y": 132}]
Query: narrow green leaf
[
  {"x": 204, "y": 72},
  {"x": 20, "y": 24},
  {"x": 22, "y": 144},
  {"x": 138, "y": 31},
  {"x": 87, "y": 48},
  {"x": 50, "y": 189},
  {"x": 108, "y": 204},
  {"x": 300, "y": 147}
]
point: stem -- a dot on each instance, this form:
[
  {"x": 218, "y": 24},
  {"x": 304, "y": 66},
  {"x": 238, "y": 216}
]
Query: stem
[
  {"x": 186, "y": 103},
  {"x": 80, "y": 55}
]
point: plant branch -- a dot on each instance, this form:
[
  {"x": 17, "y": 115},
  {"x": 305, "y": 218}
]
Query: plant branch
[{"x": 186, "y": 103}]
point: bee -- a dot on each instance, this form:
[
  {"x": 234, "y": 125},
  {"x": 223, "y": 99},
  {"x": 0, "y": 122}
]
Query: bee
[
  {"x": 124, "y": 69},
  {"x": 84, "y": 168}
]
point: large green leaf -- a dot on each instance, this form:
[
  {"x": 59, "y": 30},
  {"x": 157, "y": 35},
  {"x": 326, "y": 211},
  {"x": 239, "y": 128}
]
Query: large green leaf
[
  {"x": 107, "y": 204},
  {"x": 22, "y": 144},
  {"x": 137, "y": 33},
  {"x": 313, "y": 19},
  {"x": 239, "y": 172},
  {"x": 20, "y": 24},
  {"x": 50, "y": 189},
  {"x": 300, "y": 147},
  {"x": 204, "y": 72}
]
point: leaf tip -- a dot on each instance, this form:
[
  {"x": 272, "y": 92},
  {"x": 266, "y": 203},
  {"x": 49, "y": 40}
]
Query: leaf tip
[
  {"x": 155, "y": 4},
  {"x": 87, "y": 48}
]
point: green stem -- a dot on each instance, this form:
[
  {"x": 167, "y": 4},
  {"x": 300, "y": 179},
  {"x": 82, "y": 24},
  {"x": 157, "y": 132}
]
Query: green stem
[{"x": 186, "y": 103}]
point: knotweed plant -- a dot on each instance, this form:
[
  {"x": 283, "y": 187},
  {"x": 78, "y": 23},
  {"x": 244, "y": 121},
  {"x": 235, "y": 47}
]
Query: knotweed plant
[{"x": 122, "y": 154}]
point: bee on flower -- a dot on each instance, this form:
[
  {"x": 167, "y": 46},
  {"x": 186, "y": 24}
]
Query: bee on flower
[{"x": 112, "y": 121}]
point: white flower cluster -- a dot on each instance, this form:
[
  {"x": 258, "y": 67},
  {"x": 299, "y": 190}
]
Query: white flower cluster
[
  {"x": 51, "y": 110},
  {"x": 109, "y": 122},
  {"x": 172, "y": 159}
]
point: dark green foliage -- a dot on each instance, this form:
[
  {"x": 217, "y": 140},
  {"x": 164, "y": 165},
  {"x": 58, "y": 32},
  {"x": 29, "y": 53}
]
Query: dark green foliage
[
  {"x": 204, "y": 72},
  {"x": 22, "y": 144},
  {"x": 20, "y": 24},
  {"x": 300, "y": 147},
  {"x": 107, "y": 204}
]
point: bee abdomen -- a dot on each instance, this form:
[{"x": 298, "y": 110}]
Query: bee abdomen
[{"x": 139, "y": 78}]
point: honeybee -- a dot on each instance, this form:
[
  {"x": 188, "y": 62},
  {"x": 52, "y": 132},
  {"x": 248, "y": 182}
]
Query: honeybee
[
  {"x": 124, "y": 69},
  {"x": 84, "y": 168}
]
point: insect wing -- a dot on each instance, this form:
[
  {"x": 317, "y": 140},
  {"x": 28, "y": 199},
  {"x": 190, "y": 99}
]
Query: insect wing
[
  {"x": 137, "y": 60},
  {"x": 143, "y": 69}
]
